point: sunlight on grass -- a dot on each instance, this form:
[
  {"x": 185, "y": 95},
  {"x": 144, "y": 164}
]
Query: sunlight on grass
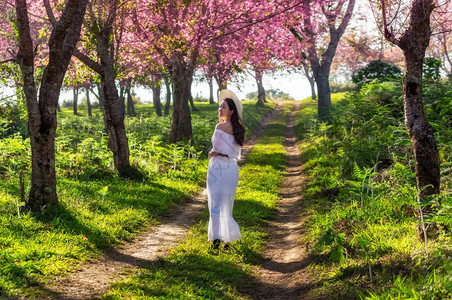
[
  {"x": 192, "y": 270},
  {"x": 363, "y": 229},
  {"x": 97, "y": 208}
]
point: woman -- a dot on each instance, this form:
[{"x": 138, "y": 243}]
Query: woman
[{"x": 223, "y": 172}]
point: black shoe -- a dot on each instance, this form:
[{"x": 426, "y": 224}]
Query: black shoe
[
  {"x": 226, "y": 247},
  {"x": 216, "y": 244}
]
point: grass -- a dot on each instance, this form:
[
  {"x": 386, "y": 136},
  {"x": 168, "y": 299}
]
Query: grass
[
  {"x": 362, "y": 229},
  {"x": 361, "y": 195},
  {"x": 192, "y": 270},
  {"x": 97, "y": 208}
]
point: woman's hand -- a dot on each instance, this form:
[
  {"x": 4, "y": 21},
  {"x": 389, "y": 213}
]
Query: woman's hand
[{"x": 213, "y": 153}]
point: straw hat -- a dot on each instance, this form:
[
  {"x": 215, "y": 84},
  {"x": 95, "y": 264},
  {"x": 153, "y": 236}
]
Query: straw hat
[{"x": 238, "y": 104}]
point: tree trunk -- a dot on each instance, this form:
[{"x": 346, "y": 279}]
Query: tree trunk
[
  {"x": 414, "y": 43},
  {"x": 181, "y": 75},
  {"x": 156, "y": 89},
  {"x": 111, "y": 108},
  {"x": 113, "y": 115},
  {"x": 122, "y": 98},
  {"x": 260, "y": 89},
  {"x": 88, "y": 103},
  {"x": 101, "y": 98},
  {"x": 130, "y": 103},
  {"x": 310, "y": 77},
  {"x": 427, "y": 163},
  {"x": 211, "y": 98},
  {"x": 42, "y": 117},
  {"x": 192, "y": 104},
  {"x": 222, "y": 84},
  {"x": 75, "y": 101},
  {"x": 168, "y": 95},
  {"x": 321, "y": 64},
  {"x": 312, "y": 84},
  {"x": 322, "y": 79}
]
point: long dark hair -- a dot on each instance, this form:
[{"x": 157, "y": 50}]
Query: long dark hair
[{"x": 237, "y": 129}]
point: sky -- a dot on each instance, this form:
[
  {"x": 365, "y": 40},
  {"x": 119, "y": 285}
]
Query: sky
[{"x": 293, "y": 84}]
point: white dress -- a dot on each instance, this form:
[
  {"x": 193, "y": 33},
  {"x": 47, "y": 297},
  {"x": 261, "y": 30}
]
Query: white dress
[{"x": 222, "y": 180}]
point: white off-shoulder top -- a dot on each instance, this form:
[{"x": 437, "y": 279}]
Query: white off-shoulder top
[{"x": 224, "y": 143}]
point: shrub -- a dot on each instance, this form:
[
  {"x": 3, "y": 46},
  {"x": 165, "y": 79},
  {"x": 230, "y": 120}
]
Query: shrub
[
  {"x": 378, "y": 70},
  {"x": 431, "y": 70},
  {"x": 342, "y": 87},
  {"x": 272, "y": 94},
  {"x": 13, "y": 117},
  {"x": 361, "y": 183}
]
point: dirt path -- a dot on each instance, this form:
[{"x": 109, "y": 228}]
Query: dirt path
[
  {"x": 283, "y": 274},
  {"x": 94, "y": 278}
]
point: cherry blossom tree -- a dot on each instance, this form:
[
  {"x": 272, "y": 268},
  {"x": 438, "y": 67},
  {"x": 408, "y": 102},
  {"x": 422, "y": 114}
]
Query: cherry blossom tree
[
  {"x": 360, "y": 44},
  {"x": 208, "y": 70},
  {"x": 182, "y": 32},
  {"x": 224, "y": 57},
  {"x": 154, "y": 81},
  {"x": 441, "y": 41},
  {"x": 258, "y": 49},
  {"x": 42, "y": 97},
  {"x": 222, "y": 61},
  {"x": 355, "y": 50},
  {"x": 298, "y": 60},
  {"x": 166, "y": 79},
  {"x": 440, "y": 48},
  {"x": 321, "y": 25},
  {"x": 407, "y": 24},
  {"x": 156, "y": 92},
  {"x": 265, "y": 43},
  {"x": 105, "y": 24},
  {"x": 307, "y": 73},
  {"x": 170, "y": 27},
  {"x": 78, "y": 77}
]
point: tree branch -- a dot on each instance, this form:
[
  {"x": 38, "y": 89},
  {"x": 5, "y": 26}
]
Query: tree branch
[
  {"x": 387, "y": 32},
  {"x": 96, "y": 67},
  {"x": 50, "y": 14},
  {"x": 256, "y": 21},
  {"x": 14, "y": 60}
]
